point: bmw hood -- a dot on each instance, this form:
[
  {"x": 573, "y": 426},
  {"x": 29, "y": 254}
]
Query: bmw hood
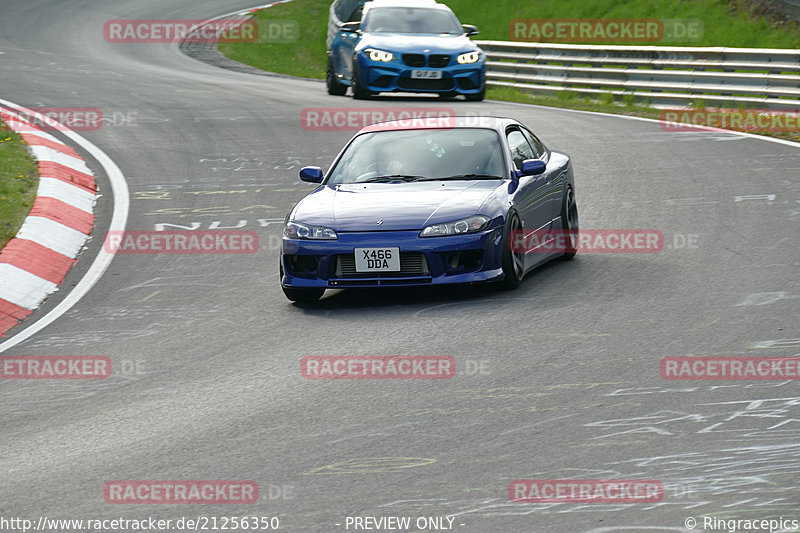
[
  {"x": 411, "y": 43},
  {"x": 400, "y": 206}
]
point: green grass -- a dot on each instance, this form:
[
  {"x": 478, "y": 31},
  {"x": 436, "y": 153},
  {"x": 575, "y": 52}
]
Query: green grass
[
  {"x": 19, "y": 178},
  {"x": 604, "y": 103},
  {"x": 304, "y": 57}
]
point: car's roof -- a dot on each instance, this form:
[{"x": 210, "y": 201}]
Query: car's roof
[
  {"x": 443, "y": 122},
  {"x": 404, "y": 3}
]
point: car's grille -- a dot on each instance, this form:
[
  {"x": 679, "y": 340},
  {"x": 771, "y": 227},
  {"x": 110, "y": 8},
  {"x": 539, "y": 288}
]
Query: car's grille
[
  {"x": 444, "y": 84},
  {"x": 414, "y": 60},
  {"x": 438, "y": 60},
  {"x": 411, "y": 264}
]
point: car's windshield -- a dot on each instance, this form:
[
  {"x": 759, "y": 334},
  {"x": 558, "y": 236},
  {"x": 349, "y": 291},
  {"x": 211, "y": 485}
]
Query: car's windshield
[
  {"x": 410, "y": 20},
  {"x": 413, "y": 155}
]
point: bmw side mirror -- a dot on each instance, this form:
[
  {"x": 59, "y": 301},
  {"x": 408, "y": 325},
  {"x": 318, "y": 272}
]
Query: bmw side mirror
[
  {"x": 532, "y": 167},
  {"x": 350, "y": 27},
  {"x": 470, "y": 30},
  {"x": 311, "y": 174}
]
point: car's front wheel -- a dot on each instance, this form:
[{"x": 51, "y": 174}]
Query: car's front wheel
[
  {"x": 513, "y": 260},
  {"x": 334, "y": 87},
  {"x": 359, "y": 92}
]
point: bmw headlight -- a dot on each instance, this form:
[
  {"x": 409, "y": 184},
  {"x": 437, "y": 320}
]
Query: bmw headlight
[
  {"x": 379, "y": 55},
  {"x": 295, "y": 230},
  {"x": 469, "y": 57},
  {"x": 471, "y": 224}
]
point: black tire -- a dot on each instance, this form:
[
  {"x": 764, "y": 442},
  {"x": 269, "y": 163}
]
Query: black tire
[
  {"x": 513, "y": 262},
  {"x": 359, "y": 92},
  {"x": 569, "y": 222},
  {"x": 334, "y": 87},
  {"x": 302, "y": 294},
  {"x": 477, "y": 97}
]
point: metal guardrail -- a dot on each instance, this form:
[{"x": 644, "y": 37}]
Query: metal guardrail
[{"x": 663, "y": 75}]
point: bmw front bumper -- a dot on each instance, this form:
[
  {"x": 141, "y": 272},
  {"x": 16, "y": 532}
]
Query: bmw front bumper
[{"x": 395, "y": 75}]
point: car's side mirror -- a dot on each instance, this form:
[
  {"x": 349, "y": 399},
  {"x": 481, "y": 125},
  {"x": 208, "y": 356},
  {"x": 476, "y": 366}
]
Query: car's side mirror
[
  {"x": 350, "y": 27},
  {"x": 311, "y": 174},
  {"x": 532, "y": 167},
  {"x": 470, "y": 30}
]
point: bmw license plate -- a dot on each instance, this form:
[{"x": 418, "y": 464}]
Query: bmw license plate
[
  {"x": 377, "y": 259},
  {"x": 426, "y": 74}
]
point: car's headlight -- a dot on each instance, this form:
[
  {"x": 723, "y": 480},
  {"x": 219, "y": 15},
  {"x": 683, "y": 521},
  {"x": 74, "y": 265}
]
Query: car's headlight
[
  {"x": 472, "y": 224},
  {"x": 295, "y": 230},
  {"x": 379, "y": 55},
  {"x": 469, "y": 57}
]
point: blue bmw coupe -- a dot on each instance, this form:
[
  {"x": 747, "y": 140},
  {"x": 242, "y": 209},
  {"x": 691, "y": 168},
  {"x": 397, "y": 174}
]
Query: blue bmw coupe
[
  {"x": 409, "y": 46},
  {"x": 428, "y": 202}
]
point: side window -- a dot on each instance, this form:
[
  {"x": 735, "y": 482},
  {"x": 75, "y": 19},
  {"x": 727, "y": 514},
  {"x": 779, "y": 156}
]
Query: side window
[
  {"x": 356, "y": 15},
  {"x": 519, "y": 147},
  {"x": 538, "y": 147}
]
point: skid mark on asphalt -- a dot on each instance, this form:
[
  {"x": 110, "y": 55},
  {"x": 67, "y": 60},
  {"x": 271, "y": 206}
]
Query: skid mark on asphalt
[{"x": 371, "y": 465}]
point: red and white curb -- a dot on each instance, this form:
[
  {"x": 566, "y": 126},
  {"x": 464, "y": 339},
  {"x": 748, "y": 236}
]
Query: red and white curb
[{"x": 35, "y": 262}]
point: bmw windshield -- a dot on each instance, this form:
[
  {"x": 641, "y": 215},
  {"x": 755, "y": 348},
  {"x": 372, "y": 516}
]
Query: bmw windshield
[
  {"x": 411, "y": 20},
  {"x": 421, "y": 155}
]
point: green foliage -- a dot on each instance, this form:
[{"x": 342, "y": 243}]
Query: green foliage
[{"x": 19, "y": 178}]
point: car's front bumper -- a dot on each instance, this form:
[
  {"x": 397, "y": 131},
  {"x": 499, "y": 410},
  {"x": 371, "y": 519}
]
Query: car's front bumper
[
  {"x": 396, "y": 76},
  {"x": 424, "y": 261}
]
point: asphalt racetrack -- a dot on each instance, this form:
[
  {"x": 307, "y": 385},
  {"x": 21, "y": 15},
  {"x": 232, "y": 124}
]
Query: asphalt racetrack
[{"x": 556, "y": 380}]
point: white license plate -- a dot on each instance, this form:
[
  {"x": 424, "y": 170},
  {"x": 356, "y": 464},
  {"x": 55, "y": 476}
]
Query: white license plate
[
  {"x": 377, "y": 259},
  {"x": 426, "y": 74}
]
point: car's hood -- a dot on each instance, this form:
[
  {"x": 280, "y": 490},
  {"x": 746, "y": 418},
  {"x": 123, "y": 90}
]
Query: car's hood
[
  {"x": 401, "y": 206},
  {"x": 415, "y": 43}
]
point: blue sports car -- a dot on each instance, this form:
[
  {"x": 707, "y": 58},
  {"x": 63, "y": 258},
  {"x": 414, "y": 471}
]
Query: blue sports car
[
  {"x": 406, "y": 45},
  {"x": 429, "y": 202}
]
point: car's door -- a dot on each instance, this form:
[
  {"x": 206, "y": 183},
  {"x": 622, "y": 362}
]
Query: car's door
[
  {"x": 531, "y": 198},
  {"x": 555, "y": 180}
]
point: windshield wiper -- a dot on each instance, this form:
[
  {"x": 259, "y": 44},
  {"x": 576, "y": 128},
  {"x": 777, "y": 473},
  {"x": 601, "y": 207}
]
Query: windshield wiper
[
  {"x": 392, "y": 177},
  {"x": 465, "y": 177}
]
